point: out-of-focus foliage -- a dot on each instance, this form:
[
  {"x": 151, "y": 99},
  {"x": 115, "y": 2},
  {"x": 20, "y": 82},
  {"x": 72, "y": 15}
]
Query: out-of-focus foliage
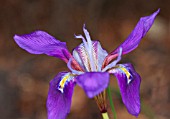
[{"x": 24, "y": 77}]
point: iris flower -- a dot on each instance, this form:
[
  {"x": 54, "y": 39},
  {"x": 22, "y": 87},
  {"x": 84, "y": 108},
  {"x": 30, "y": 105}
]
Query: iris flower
[{"x": 89, "y": 67}]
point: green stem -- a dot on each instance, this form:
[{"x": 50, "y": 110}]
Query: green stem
[
  {"x": 105, "y": 115},
  {"x": 111, "y": 102}
]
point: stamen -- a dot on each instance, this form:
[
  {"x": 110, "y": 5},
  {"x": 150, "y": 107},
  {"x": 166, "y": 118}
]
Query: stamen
[
  {"x": 101, "y": 101},
  {"x": 115, "y": 61},
  {"x": 73, "y": 70},
  {"x": 83, "y": 39},
  {"x": 90, "y": 48},
  {"x": 87, "y": 36}
]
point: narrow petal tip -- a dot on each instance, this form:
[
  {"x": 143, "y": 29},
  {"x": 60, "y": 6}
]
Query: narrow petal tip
[
  {"x": 157, "y": 11},
  {"x": 84, "y": 26},
  {"x": 16, "y": 38}
]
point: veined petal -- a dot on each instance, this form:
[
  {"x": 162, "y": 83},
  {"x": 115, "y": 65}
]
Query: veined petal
[
  {"x": 113, "y": 64},
  {"x": 93, "y": 83},
  {"x": 40, "y": 42},
  {"x": 129, "y": 84},
  {"x": 135, "y": 37},
  {"x": 60, "y": 95},
  {"x": 99, "y": 54},
  {"x": 81, "y": 56}
]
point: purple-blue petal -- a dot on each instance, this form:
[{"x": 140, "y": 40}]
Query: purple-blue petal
[
  {"x": 40, "y": 42},
  {"x": 58, "y": 103},
  {"x": 93, "y": 83},
  {"x": 130, "y": 90},
  {"x": 135, "y": 37}
]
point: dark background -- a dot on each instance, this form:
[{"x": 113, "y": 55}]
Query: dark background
[{"x": 24, "y": 77}]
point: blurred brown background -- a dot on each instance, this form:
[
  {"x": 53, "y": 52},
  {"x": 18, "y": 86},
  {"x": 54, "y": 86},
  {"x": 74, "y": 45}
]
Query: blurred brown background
[{"x": 24, "y": 78}]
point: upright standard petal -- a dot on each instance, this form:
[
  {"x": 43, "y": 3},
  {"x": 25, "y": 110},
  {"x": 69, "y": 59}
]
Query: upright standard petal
[
  {"x": 129, "y": 84},
  {"x": 135, "y": 37},
  {"x": 40, "y": 42},
  {"x": 98, "y": 53},
  {"x": 93, "y": 83},
  {"x": 60, "y": 95}
]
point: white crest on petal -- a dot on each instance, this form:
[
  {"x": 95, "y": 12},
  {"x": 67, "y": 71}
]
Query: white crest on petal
[
  {"x": 123, "y": 70},
  {"x": 64, "y": 80},
  {"x": 89, "y": 54}
]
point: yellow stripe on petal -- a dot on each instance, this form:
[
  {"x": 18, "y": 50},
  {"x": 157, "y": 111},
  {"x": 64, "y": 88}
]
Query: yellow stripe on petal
[
  {"x": 126, "y": 72},
  {"x": 65, "y": 79},
  {"x": 62, "y": 82}
]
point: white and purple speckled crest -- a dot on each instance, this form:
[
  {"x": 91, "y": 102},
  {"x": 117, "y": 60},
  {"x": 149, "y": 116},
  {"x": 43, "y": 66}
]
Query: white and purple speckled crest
[{"x": 89, "y": 54}]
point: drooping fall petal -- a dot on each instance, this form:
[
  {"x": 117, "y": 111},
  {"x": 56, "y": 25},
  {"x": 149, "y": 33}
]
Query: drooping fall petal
[
  {"x": 93, "y": 83},
  {"x": 129, "y": 84},
  {"x": 60, "y": 95},
  {"x": 135, "y": 37},
  {"x": 40, "y": 42}
]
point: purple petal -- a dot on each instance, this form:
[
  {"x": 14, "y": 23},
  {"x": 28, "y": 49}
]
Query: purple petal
[
  {"x": 135, "y": 37},
  {"x": 58, "y": 102},
  {"x": 129, "y": 84},
  {"x": 40, "y": 42},
  {"x": 93, "y": 83}
]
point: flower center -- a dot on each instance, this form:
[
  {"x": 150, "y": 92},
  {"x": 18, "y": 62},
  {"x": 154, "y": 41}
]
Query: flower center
[{"x": 88, "y": 48}]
